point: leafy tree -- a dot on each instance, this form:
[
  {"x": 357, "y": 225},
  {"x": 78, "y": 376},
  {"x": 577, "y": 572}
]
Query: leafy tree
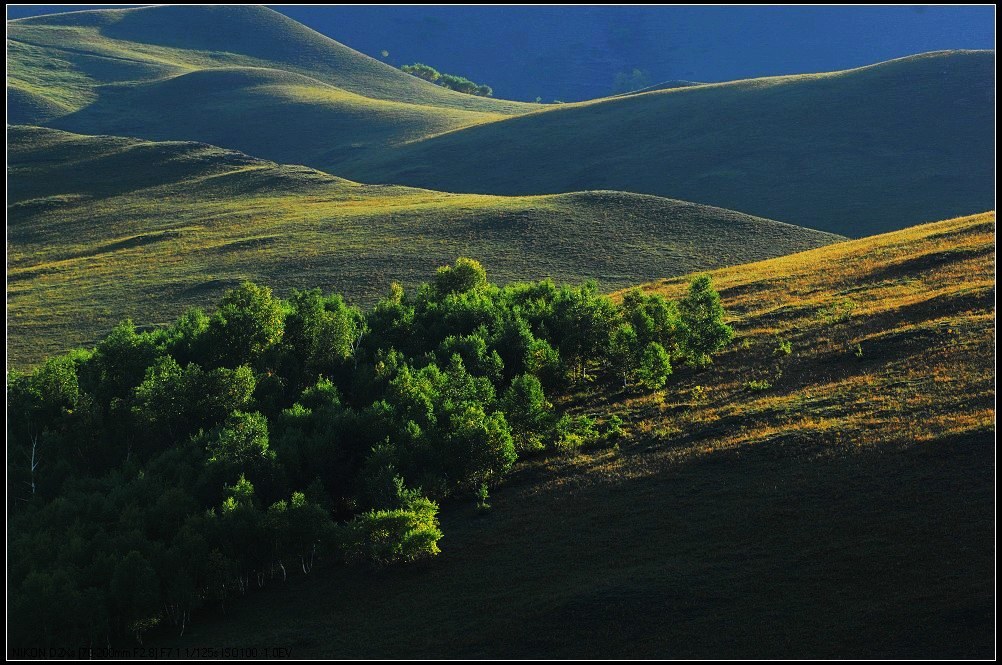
[
  {"x": 392, "y": 536},
  {"x": 458, "y": 83},
  {"x": 119, "y": 363},
  {"x": 187, "y": 338},
  {"x": 238, "y": 534},
  {"x": 511, "y": 342},
  {"x": 543, "y": 362},
  {"x": 623, "y": 351},
  {"x": 392, "y": 323},
  {"x": 482, "y": 444},
  {"x": 134, "y": 592},
  {"x": 248, "y": 322},
  {"x": 444, "y": 426},
  {"x": 216, "y": 393},
  {"x": 473, "y": 351},
  {"x": 54, "y": 389},
  {"x": 527, "y": 411},
  {"x": 581, "y": 323},
  {"x": 48, "y": 603},
  {"x": 161, "y": 400},
  {"x": 465, "y": 275},
  {"x": 655, "y": 367},
  {"x": 240, "y": 495},
  {"x": 322, "y": 333},
  {"x": 451, "y": 81},
  {"x": 630, "y": 81},
  {"x": 172, "y": 402},
  {"x": 571, "y": 433},
  {"x": 143, "y": 468},
  {"x": 422, "y": 71},
  {"x": 702, "y": 317},
  {"x": 307, "y": 525},
  {"x": 242, "y": 440},
  {"x": 654, "y": 319}
]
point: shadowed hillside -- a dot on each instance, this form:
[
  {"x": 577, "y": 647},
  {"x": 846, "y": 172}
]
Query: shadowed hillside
[
  {"x": 100, "y": 228},
  {"x": 855, "y": 152},
  {"x": 840, "y": 507},
  {"x": 269, "y": 112}
]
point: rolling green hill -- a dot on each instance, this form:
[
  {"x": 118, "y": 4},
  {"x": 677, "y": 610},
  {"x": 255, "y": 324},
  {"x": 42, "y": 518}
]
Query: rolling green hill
[
  {"x": 129, "y": 45},
  {"x": 245, "y": 77},
  {"x": 855, "y": 152},
  {"x": 844, "y": 510},
  {"x": 100, "y": 228}
]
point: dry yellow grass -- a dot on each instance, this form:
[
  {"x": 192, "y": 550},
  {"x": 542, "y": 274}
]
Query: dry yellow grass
[{"x": 890, "y": 342}]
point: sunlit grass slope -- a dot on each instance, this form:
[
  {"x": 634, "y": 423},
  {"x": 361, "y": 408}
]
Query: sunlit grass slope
[
  {"x": 245, "y": 77},
  {"x": 100, "y": 228},
  {"x": 856, "y": 152},
  {"x": 846, "y": 510}
]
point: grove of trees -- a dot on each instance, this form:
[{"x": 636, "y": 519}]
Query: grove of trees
[
  {"x": 450, "y": 81},
  {"x": 172, "y": 469}
]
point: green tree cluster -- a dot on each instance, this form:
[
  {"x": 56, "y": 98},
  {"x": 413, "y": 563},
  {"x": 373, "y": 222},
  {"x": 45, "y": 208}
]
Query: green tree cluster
[
  {"x": 177, "y": 468},
  {"x": 450, "y": 81}
]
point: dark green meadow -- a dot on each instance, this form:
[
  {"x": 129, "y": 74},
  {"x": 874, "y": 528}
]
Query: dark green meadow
[{"x": 752, "y": 554}]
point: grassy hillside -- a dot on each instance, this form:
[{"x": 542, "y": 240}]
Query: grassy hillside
[
  {"x": 844, "y": 511},
  {"x": 116, "y": 45},
  {"x": 100, "y": 228},
  {"x": 855, "y": 152},
  {"x": 280, "y": 115},
  {"x": 245, "y": 77}
]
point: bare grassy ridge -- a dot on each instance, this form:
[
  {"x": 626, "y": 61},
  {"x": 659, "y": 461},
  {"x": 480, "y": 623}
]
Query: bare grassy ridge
[
  {"x": 845, "y": 511},
  {"x": 101, "y": 228}
]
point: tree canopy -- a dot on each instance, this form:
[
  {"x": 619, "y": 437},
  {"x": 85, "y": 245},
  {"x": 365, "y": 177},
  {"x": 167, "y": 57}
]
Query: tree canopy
[
  {"x": 179, "y": 467},
  {"x": 451, "y": 81}
]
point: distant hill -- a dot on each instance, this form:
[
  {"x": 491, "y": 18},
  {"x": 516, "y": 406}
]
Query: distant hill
[
  {"x": 245, "y": 77},
  {"x": 855, "y": 152},
  {"x": 842, "y": 508},
  {"x": 576, "y": 52},
  {"x": 115, "y": 45},
  {"x": 101, "y": 227}
]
